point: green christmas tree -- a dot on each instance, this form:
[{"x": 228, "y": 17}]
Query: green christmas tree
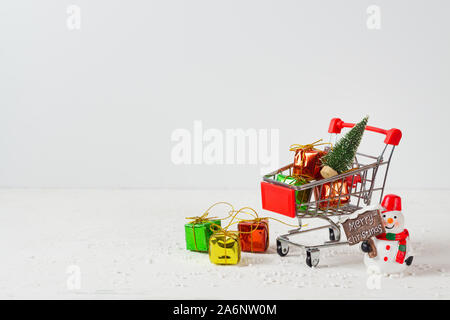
[{"x": 340, "y": 159}]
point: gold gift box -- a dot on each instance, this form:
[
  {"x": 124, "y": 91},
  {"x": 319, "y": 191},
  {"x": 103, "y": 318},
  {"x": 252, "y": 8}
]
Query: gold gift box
[{"x": 224, "y": 248}]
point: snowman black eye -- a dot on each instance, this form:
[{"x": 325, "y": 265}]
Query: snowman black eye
[
  {"x": 384, "y": 216},
  {"x": 395, "y": 217}
]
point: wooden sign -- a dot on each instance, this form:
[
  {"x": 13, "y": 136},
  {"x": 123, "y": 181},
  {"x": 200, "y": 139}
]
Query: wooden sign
[{"x": 363, "y": 226}]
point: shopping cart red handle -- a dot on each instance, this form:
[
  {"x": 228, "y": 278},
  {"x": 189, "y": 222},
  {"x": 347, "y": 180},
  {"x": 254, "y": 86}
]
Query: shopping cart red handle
[{"x": 393, "y": 136}]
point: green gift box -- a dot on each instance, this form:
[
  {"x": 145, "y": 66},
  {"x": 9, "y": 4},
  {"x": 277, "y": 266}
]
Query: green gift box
[
  {"x": 198, "y": 234},
  {"x": 300, "y": 196}
]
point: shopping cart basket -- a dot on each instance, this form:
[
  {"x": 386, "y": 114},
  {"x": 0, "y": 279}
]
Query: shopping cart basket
[{"x": 352, "y": 190}]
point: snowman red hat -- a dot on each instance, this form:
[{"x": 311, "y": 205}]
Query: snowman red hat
[{"x": 391, "y": 202}]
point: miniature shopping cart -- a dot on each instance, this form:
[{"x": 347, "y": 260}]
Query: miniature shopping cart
[{"x": 353, "y": 190}]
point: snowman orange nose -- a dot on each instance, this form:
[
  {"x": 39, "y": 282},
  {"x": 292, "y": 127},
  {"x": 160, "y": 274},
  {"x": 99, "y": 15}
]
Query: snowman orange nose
[{"x": 390, "y": 220}]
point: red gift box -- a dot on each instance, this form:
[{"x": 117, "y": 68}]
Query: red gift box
[
  {"x": 254, "y": 235},
  {"x": 307, "y": 163},
  {"x": 336, "y": 192},
  {"x": 307, "y": 159}
]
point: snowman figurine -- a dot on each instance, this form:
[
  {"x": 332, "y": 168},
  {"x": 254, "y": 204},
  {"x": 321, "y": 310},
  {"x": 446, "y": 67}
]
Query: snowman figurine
[{"x": 392, "y": 247}]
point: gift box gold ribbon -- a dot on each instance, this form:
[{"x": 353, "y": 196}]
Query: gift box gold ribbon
[
  {"x": 204, "y": 218},
  {"x": 305, "y": 148},
  {"x": 295, "y": 147},
  {"x": 255, "y": 219}
]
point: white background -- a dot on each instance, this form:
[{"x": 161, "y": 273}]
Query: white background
[{"x": 96, "y": 107}]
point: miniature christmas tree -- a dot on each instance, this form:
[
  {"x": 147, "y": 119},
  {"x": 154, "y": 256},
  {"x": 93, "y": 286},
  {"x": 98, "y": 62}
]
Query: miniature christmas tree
[{"x": 340, "y": 159}]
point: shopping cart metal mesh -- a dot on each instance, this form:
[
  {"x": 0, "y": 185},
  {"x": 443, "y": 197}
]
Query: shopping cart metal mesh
[{"x": 339, "y": 195}]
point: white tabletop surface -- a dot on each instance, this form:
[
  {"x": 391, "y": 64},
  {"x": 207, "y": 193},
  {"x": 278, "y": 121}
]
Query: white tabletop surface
[{"x": 130, "y": 244}]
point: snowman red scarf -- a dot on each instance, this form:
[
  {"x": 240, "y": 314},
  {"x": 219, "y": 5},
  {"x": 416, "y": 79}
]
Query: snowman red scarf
[{"x": 401, "y": 238}]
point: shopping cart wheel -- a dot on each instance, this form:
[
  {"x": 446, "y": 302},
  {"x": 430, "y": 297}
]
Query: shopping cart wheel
[
  {"x": 282, "y": 248},
  {"x": 332, "y": 236},
  {"x": 312, "y": 257}
]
